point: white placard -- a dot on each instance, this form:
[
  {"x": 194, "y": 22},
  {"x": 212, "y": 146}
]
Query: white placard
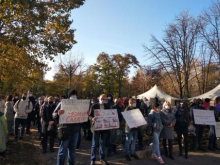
[
  {"x": 134, "y": 118},
  {"x": 217, "y": 129},
  {"x": 75, "y": 111},
  {"x": 204, "y": 117},
  {"x": 106, "y": 119}
]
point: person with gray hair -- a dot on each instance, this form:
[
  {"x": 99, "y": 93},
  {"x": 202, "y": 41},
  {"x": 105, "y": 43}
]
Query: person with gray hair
[{"x": 98, "y": 136}]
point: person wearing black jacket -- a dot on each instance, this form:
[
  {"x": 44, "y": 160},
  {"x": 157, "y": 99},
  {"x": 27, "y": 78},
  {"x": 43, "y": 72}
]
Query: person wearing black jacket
[
  {"x": 68, "y": 135},
  {"x": 182, "y": 124},
  {"x": 199, "y": 128},
  {"x": 98, "y": 136},
  {"x": 48, "y": 125}
]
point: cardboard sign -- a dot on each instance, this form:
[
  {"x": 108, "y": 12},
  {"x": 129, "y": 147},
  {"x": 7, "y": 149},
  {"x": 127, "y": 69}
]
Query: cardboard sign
[
  {"x": 75, "y": 111},
  {"x": 204, "y": 117},
  {"x": 217, "y": 129},
  {"x": 134, "y": 118},
  {"x": 106, "y": 119}
]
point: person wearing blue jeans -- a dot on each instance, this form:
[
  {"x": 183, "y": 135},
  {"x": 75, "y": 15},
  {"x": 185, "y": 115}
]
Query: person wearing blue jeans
[
  {"x": 68, "y": 135},
  {"x": 131, "y": 138},
  {"x": 154, "y": 120},
  {"x": 67, "y": 147},
  {"x": 131, "y": 134},
  {"x": 155, "y": 146},
  {"x": 99, "y": 136}
]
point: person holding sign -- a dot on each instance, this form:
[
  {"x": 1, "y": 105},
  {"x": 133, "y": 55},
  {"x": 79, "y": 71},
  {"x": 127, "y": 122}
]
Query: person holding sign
[
  {"x": 154, "y": 120},
  {"x": 199, "y": 128},
  {"x": 98, "y": 136},
  {"x": 131, "y": 134},
  {"x": 68, "y": 135}
]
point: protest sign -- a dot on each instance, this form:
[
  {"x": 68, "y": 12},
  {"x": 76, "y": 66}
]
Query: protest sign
[
  {"x": 204, "y": 117},
  {"x": 106, "y": 119},
  {"x": 217, "y": 129},
  {"x": 134, "y": 118},
  {"x": 75, "y": 111}
]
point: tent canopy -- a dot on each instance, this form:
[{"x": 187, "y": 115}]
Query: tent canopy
[
  {"x": 211, "y": 94},
  {"x": 156, "y": 91}
]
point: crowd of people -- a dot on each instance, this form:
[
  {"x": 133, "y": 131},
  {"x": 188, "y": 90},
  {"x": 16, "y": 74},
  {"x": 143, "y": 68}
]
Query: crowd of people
[{"x": 163, "y": 121}]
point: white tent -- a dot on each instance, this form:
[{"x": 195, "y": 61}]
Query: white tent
[
  {"x": 156, "y": 91},
  {"x": 211, "y": 94}
]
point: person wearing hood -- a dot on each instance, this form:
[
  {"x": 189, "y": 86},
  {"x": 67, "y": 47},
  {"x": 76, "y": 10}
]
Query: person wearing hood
[
  {"x": 68, "y": 135},
  {"x": 167, "y": 133},
  {"x": 98, "y": 136},
  {"x": 154, "y": 120},
  {"x": 199, "y": 128},
  {"x": 22, "y": 108},
  {"x": 110, "y": 100}
]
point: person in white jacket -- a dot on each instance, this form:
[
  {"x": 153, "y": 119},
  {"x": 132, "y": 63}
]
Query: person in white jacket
[{"x": 22, "y": 108}]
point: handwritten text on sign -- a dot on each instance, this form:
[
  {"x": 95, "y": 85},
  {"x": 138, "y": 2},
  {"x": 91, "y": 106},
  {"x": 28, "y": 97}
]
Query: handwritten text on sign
[
  {"x": 204, "y": 117},
  {"x": 106, "y": 119},
  {"x": 134, "y": 118},
  {"x": 217, "y": 129},
  {"x": 75, "y": 111}
]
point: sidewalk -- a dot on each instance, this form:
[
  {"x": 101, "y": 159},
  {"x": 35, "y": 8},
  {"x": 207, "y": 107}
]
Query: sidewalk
[{"x": 27, "y": 152}]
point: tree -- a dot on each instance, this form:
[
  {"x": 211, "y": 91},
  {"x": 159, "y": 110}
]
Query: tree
[
  {"x": 177, "y": 51},
  {"x": 210, "y": 25},
  {"x": 122, "y": 65},
  {"x": 105, "y": 73},
  {"x": 32, "y": 31},
  {"x": 145, "y": 78},
  {"x": 73, "y": 65},
  {"x": 41, "y": 28}
]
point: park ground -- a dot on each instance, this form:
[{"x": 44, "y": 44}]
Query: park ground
[{"x": 27, "y": 152}]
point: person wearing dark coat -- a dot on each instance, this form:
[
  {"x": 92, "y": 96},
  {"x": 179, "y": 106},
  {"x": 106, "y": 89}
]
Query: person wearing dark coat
[
  {"x": 182, "y": 124},
  {"x": 68, "y": 135},
  {"x": 110, "y": 100},
  {"x": 144, "y": 107},
  {"x": 48, "y": 125},
  {"x": 199, "y": 128},
  {"x": 167, "y": 133},
  {"x": 212, "y": 134},
  {"x": 98, "y": 136}
]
